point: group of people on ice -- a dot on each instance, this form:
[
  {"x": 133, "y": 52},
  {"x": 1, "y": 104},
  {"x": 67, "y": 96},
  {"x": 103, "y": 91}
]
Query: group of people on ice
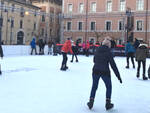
[
  {"x": 103, "y": 57},
  {"x": 140, "y": 50}
]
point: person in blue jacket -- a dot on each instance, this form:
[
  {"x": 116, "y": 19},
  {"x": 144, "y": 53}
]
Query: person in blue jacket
[
  {"x": 33, "y": 46},
  {"x": 102, "y": 58},
  {"x": 129, "y": 51}
]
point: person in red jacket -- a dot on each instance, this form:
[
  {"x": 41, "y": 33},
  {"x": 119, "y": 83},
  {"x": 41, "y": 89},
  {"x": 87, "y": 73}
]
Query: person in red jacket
[
  {"x": 65, "y": 49},
  {"x": 87, "y": 48}
]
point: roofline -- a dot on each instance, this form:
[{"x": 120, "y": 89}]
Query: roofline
[{"x": 25, "y": 4}]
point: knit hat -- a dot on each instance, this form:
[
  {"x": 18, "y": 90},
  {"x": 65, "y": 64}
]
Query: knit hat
[{"x": 107, "y": 41}]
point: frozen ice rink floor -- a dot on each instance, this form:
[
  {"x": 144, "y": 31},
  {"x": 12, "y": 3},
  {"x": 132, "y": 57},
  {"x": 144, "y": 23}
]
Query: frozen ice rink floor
[{"x": 35, "y": 84}]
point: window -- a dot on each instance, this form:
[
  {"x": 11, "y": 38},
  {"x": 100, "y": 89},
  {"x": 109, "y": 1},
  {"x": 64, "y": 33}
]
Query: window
[
  {"x": 122, "y": 5},
  {"x": 69, "y": 26},
  {"x": 121, "y": 25},
  {"x": 80, "y": 26},
  {"x": 22, "y": 11},
  {"x": 43, "y": 18},
  {"x": 109, "y": 6},
  {"x": 93, "y": 7},
  {"x": 140, "y": 5},
  {"x": 69, "y": 8},
  {"x": 34, "y": 27},
  {"x": 93, "y": 26},
  {"x": 108, "y": 25},
  {"x": 13, "y": 7},
  {"x": 81, "y": 8},
  {"x": 21, "y": 24},
  {"x": 42, "y": 32},
  {"x": 139, "y": 25},
  {"x": 12, "y": 23}
]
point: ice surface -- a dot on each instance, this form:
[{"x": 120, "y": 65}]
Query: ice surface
[{"x": 35, "y": 84}]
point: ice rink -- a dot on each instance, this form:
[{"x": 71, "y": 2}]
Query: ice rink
[{"x": 35, "y": 84}]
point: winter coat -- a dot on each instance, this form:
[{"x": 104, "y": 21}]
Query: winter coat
[
  {"x": 33, "y": 43},
  {"x": 67, "y": 47},
  {"x": 1, "y": 51},
  {"x": 75, "y": 49},
  {"x": 102, "y": 58},
  {"x": 136, "y": 44},
  {"x": 129, "y": 48},
  {"x": 141, "y": 52},
  {"x": 87, "y": 45}
]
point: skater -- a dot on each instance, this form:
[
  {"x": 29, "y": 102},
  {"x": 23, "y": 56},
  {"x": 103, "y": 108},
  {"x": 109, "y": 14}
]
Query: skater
[
  {"x": 84, "y": 48},
  {"x": 75, "y": 52},
  {"x": 141, "y": 54},
  {"x": 102, "y": 58},
  {"x": 1, "y": 52},
  {"x": 41, "y": 47},
  {"x": 113, "y": 45},
  {"x": 33, "y": 46},
  {"x": 50, "y": 47},
  {"x": 65, "y": 49},
  {"x": 87, "y": 48},
  {"x": 129, "y": 50}
]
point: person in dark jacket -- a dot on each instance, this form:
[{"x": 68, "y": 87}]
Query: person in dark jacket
[
  {"x": 1, "y": 53},
  {"x": 75, "y": 52},
  {"x": 136, "y": 43},
  {"x": 33, "y": 46},
  {"x": 141, "y": 54},
  {"x": 41, "y": 46},
  {"x": 130, "y": 51},
  {"x": 102, "y": 58}
]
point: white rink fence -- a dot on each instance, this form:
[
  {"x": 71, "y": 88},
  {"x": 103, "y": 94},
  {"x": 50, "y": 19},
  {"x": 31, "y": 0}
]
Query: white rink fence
[{"x": 20, "y": 50}]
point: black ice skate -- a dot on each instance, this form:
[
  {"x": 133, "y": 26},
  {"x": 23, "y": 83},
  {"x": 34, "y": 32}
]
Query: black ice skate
[
  {"x": 0, "y": 72},
  {"x": 127, "y": 67},
  {"x": 145, "y": 78},
  {"x": 109, "y": 105},
  {"x": 90, "y": 103}
]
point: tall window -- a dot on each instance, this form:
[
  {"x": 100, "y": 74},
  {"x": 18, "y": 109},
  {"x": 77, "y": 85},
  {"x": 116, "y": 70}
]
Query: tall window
[
  {"x": 140, "y": 5},
  {"x": 69, "y": 25},
  {"x": 70, "y": 8},
  {"x": 121, "y": 25},
  {"x": 93, "y": 26},
  {"x": 109, "y": 5},
  {"x": 139, "y": 25},
  {"x": 43, "y": 18},
  {"x": 80, "y": 26},
  {"x": 81, "y": 8},
  {"x": 122, "y": 5},
  {"x": 108, "y": 25},
  {"x": 21, "y": 24},
  {"x": 93, "y": 7},
  {"x": 34, "y": 27}
]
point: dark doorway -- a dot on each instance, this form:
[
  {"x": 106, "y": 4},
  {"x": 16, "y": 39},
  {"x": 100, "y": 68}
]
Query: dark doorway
[{"x": 20, "y": 36}]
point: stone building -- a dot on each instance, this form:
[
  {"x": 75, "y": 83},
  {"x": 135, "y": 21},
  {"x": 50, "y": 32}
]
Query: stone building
[
  {"x": 20, "y": 21},
  {"x": 50, "y": 19},
  {"x": 94, "y": 19}
]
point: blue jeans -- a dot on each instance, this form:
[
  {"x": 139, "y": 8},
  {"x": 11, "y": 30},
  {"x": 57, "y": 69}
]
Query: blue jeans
[{"x": 107, "y": 81}]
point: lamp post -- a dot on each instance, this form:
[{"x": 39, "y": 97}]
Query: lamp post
[{"x": 1, "y": 21}]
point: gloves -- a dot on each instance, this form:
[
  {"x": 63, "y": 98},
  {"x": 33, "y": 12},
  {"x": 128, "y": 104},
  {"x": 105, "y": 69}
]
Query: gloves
[{"x": 120, "y": 80}]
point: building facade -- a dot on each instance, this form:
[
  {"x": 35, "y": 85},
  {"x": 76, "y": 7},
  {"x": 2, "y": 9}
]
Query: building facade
[
  {"x": 95, "y": 19},
  {"x": 50, "y": 23},
  {"x": 19, "y": 21}
]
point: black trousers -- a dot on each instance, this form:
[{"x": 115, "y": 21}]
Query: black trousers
[
  {"x": 139, "y": 66},
  {"x": 130, "y": 55},
  {"x": 34, "y": 50},
  {"x": 75, "y": 56},
  {"x": 64, "y": 62}
]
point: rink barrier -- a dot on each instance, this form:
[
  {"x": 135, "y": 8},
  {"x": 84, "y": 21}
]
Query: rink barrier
[{"x": 21, "y": 50}]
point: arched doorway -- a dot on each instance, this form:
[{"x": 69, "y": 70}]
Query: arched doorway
[{"x": 20, "y": 36}]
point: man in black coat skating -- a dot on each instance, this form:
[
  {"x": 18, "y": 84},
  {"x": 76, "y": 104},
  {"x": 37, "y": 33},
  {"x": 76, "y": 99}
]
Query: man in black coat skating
[{"x": 102, "y": 58}]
